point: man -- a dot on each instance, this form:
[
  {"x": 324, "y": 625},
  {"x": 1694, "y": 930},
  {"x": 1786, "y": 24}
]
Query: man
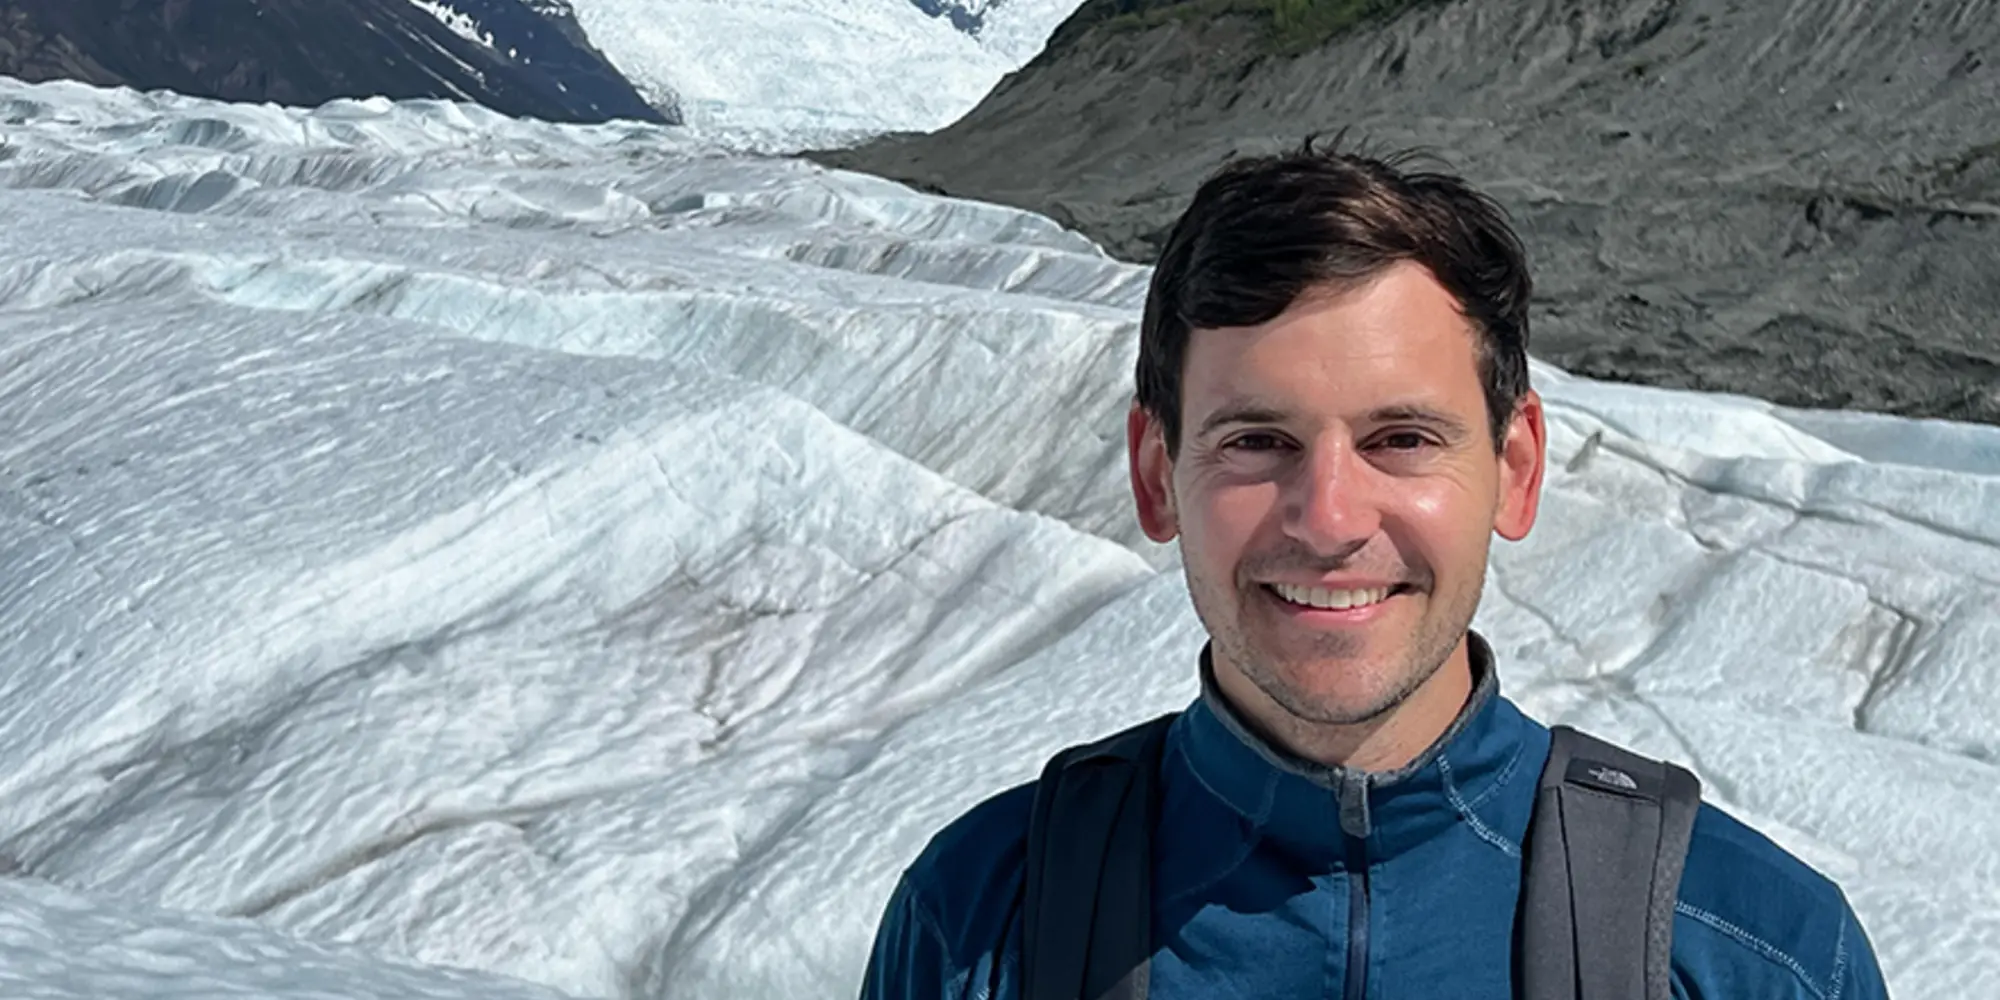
[{"x": 1333, "y": 417}]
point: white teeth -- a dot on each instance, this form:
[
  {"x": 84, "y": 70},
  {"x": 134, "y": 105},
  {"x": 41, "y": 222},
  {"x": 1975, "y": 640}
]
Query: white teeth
[{"x": 1334, "y": 600}]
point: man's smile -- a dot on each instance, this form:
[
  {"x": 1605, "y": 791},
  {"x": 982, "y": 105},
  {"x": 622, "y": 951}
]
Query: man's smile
[{"x": 1333, "y": 606}]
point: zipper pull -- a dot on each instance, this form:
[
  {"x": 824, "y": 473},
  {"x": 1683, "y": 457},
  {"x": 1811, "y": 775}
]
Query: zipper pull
[{"x": 1355, "y": 819}]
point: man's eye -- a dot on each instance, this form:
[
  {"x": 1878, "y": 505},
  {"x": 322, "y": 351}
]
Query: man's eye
[
  {"x": 1257, "y": 442},
  {"x": 1403, "y": 441}
]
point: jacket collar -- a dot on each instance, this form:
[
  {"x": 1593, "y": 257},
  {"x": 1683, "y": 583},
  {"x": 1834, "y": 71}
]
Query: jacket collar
[{"x": 1316, "y": 810}]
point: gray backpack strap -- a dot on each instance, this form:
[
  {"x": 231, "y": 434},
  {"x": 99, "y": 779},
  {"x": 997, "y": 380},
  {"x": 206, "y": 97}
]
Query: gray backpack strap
[
  {"x": 1087, "y": 911},
  {"x": 1603, "y": 869}
]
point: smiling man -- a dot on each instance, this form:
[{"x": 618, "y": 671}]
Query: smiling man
[
  {"x": 1333, "y": 418},
  {"x": 1334, "y": 498}
]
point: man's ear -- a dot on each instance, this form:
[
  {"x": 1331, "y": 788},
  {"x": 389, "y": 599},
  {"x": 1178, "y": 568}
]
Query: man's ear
[
  {"x": 1152, "y": 474},
  {"x": 1522, "y": 456}
]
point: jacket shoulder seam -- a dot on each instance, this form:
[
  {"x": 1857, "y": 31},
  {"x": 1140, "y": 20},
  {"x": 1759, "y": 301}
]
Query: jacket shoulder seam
[
  {"x": 1479, "y": 827},
  {"x": 1754, "y": 943},
  {"x": 1500, "y": 780}
]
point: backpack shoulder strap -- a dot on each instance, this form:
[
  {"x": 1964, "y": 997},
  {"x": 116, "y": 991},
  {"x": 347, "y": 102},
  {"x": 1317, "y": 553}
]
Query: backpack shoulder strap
[
  {"x": 1602, "y": 872},
  {"x": 1088, "y": 908}
]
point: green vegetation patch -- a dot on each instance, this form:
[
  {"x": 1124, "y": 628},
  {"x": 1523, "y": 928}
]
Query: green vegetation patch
[
  {"x": 1302, "y": 25},
  {"x": 1294, "y": 26}
]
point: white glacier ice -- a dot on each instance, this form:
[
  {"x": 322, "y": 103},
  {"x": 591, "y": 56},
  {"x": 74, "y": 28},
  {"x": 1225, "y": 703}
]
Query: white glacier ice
[
  {"x": 455, "y": 556},
  {"x": 56, "y": 944},
  {"x": 782, "y": 75}
]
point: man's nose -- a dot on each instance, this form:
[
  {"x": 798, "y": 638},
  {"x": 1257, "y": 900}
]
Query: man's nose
[{"x": 1332, "y": 501}]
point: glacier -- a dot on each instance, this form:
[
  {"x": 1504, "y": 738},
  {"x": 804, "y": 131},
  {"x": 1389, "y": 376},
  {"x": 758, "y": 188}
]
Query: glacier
[
  {"x": 851, "y": 68},
  {"x": 455, "y": 556}
]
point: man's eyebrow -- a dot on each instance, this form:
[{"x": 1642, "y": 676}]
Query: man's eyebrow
[
  {"x": 1417, "y": 413},
  {"x": 1252, "y": 411},
  {"x": 1241, "y": 411}
]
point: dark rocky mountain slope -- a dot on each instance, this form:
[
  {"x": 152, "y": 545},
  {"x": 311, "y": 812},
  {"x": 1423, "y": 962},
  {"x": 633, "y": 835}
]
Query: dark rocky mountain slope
[
  {"x": 307, "y": 52},
  {"x": 1798, "y": 200}
]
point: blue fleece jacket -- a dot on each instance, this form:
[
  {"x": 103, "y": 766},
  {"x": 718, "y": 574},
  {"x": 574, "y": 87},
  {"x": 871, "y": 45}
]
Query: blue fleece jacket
[{"x": 1265, "y": 887}]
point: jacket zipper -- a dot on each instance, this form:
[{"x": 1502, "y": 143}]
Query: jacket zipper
[
  {"x": 1357, "y": 919},
  {"x": 1357, "y": 824}
]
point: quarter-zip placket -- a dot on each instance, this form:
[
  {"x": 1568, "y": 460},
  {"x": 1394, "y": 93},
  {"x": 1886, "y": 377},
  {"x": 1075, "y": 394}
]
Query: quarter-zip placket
[{"x": 1355, "y": 825}]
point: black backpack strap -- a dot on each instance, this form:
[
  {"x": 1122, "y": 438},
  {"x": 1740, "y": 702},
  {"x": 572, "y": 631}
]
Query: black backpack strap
[
  {"x": 1602, "y": 872},
  {"x": 1088, "y": 901}
]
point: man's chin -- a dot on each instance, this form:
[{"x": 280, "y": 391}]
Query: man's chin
[
  {"x": 1302, "y": 691},
  {"x": 1343, "y": 709}
]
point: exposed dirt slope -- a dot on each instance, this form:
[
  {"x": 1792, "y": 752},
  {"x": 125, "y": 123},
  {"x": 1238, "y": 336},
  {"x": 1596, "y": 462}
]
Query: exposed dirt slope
[{"x": 1795, "y": 199}]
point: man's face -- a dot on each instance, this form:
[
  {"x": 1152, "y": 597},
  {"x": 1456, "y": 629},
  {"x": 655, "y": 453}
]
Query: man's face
[{"x": 1335, "y": 493}]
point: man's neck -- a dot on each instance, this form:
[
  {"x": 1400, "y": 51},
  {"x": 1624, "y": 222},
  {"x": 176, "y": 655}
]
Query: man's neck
[{"x": 1387, "y": 742}]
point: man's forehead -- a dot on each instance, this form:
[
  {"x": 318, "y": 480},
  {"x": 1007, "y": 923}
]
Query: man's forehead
[{"x": 1366, "y": 376}]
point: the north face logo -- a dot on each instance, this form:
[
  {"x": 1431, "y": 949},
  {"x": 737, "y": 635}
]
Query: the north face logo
[
  {"x": 1605, "y": 776},
  {"x": 1615, "y": 778}
]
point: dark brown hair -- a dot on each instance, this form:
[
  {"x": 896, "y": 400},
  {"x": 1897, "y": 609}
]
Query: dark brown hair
[{"x": 1264, "y": 230}]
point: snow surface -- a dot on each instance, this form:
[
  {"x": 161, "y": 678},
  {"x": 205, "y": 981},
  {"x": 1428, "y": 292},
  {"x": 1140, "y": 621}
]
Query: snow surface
[
  {"x": 59, "y": 945},
  {"x": 576, "y": 555},
  {"x": 780, "y": 75},
  {"x": 1018, "y": 29}
]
